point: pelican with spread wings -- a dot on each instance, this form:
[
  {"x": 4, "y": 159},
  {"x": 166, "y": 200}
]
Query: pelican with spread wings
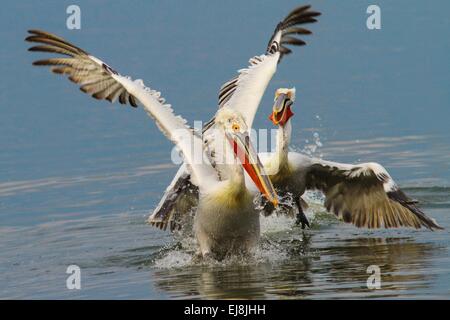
[
  {"x": 242, "y": 93},
  {"x": 362, "y": 194},
  {"x": 226, "y": 220}
]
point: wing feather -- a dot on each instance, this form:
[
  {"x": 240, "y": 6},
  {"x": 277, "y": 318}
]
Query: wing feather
[
  {"x": 245, "y": 91},
  {"x": 102, "y": 82},
  {"x": 365, "y": 195}
]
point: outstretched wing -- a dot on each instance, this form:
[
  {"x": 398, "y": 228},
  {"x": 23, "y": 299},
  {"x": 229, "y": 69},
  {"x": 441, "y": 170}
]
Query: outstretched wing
[
  {"x": 179, "y": 198},
  {"x": 365, "y": 195},
  {"x": 93, "y": 75},
  {"x": 244, "y": 92},
  {"x": 102, "y": 82}
]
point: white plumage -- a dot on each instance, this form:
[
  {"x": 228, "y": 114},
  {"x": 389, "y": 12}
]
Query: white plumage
[
  {"x": 224, "y": 204},
  {"x": 243, "y": 93},
  {"x": 363, "y": 194}
]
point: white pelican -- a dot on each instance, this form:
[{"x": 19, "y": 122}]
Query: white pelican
[
  {"x": 362, "y": 194},
  {"x": 242, "y": 93},
  {"x": 226, "y": 220}
]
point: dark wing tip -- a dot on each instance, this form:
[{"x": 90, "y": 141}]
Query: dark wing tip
[
  {"x": 83, "y": 89},
  {"x": 44, "y": 62},
  {"x": 292, "y": 41},
  {"x": 53, "y": 40},
  {"x": 34, "y": 49},
  {"x": 132, "y": 101},
  {"x": 298, "y": 10},
  {"x": 35, "y": 31},
  {"x": 297, "y": 30},
  {"x": 58, "y": 70},
  {"x": 289, "y": 28},
  {"x": 400, "y": 197},
  {"x": 76, "y": 62},
  {"x": 33, "y": 38}
]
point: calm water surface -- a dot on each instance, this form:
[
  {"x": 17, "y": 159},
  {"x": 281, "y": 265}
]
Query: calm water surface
[{"x": 79, "y": 177}]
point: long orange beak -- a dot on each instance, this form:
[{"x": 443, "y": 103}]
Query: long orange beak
[{"x": 244, "y": 151}]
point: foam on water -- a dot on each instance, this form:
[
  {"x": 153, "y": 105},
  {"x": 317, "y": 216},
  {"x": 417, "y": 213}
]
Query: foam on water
[
  {"x": 278, "y": 232},
  {"x": 268, "y": 251}
]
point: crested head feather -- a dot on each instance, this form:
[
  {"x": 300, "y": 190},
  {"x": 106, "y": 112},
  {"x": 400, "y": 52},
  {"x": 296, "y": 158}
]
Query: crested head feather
[{"x": 290, "y": 92}]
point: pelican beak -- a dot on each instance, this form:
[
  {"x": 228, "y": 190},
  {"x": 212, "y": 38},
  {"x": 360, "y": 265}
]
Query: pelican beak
[
  {"x": 248, "y": 157},
  {"x": 281, "y": 111}
]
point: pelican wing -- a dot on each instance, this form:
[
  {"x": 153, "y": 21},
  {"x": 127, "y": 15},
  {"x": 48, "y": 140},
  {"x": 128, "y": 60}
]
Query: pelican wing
[
  {"x": 176, "y": 204},
  {"x": 365, "y": 195},
  {"x": 244, "y": 92},
  {"x": 102, "y": 82}
]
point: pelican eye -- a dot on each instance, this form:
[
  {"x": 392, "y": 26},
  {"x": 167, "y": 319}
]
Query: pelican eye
[{"x": 235, "y": 127}]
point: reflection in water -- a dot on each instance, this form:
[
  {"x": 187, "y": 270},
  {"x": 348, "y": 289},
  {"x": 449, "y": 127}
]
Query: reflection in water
[
  {"x": 210, "y": 282},
  {"x": 313, "y": 268},
  {"x": 240, "y": 277},
  {"x": 401, "y": 260}
]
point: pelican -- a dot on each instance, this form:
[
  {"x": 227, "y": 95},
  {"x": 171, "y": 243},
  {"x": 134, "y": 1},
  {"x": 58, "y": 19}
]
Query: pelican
[
  {"x": 242, "y": 93},
  {"x": 363, "y": 194},
  {"x": 226, "y": 221},
  {"x": 277, "y": 162}
]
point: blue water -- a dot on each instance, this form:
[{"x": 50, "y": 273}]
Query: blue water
[{"x": 79, "y": 177}]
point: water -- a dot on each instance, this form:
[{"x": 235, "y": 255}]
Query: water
[{"x": 79, "y": 177}]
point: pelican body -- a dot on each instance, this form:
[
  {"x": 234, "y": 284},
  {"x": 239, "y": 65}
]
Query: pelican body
[
  {"x": 227, "y": 221},
  {"x": 363, "y": 194},
  {"x": 277, "y": 164},
  {"x": 242, "y": 93}
]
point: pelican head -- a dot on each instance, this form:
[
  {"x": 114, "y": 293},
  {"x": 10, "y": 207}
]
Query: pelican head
[
  {"x": 236, "y": 132},
  {"x": 281, "y": 112}
]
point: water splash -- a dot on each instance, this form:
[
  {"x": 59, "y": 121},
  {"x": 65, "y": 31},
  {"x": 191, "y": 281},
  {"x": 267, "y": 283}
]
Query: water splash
[
  {"x": 312, "y": 148},
  {"x": 278, "y": 236}
]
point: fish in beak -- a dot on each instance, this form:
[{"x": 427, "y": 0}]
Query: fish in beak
[
  {"x": 281, "y": 111},
  {"x": 246, "y": 154}
]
